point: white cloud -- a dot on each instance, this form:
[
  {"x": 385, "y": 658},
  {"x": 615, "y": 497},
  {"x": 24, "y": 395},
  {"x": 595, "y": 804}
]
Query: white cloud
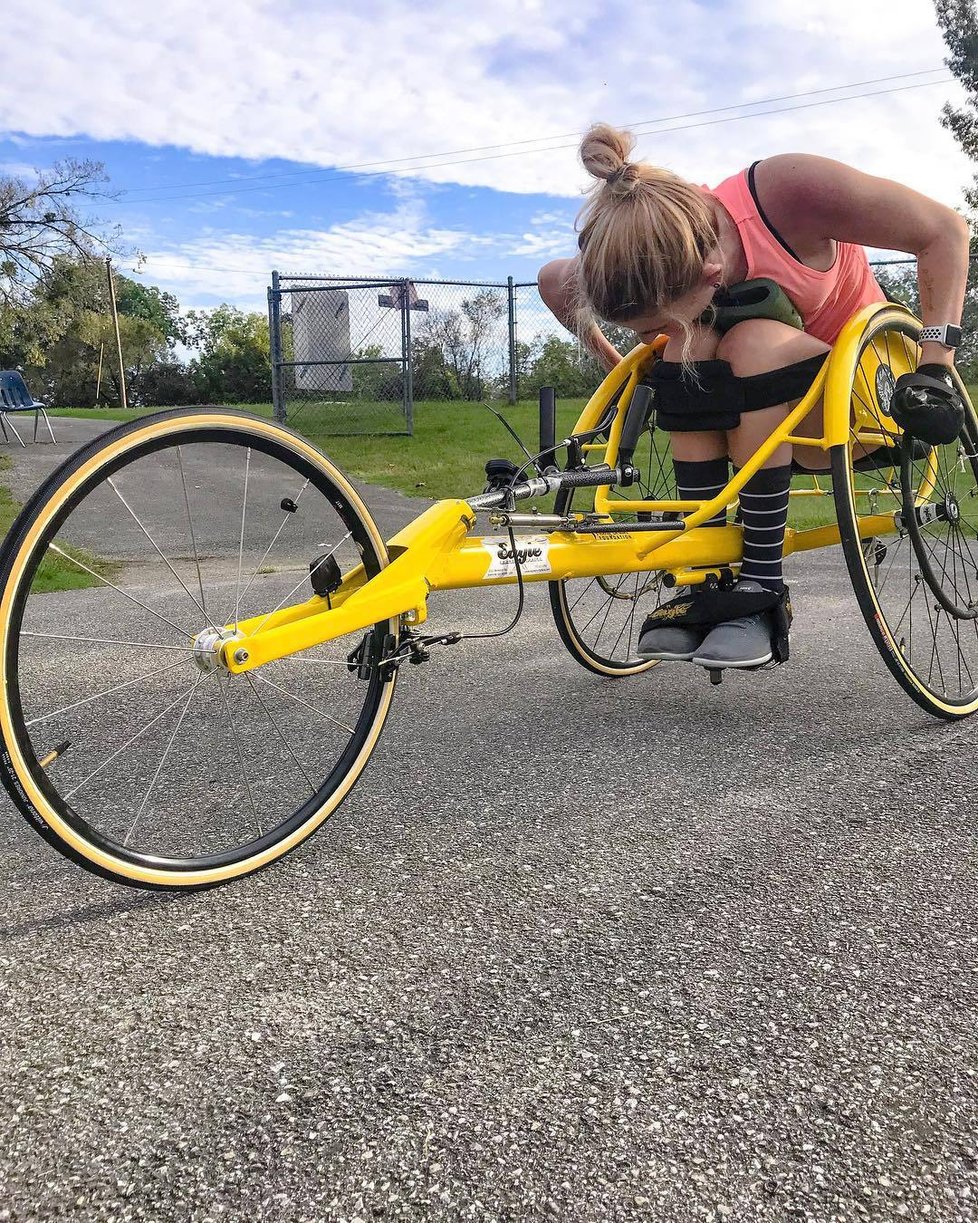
[
  {"x": 333, "y": 85},
  {"x": 235, "y": 267},
  {"x": 18, "y": 169}
]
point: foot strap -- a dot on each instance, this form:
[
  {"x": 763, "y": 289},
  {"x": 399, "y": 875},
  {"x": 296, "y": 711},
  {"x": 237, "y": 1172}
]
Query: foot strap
[{"x": 716, "y": 605}]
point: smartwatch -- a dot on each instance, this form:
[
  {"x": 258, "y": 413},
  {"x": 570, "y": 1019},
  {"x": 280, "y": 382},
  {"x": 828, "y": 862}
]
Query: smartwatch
[{"x": 947, "y": 335}]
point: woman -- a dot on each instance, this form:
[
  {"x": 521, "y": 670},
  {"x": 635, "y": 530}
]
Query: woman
[{"x": 654, "y": 249}]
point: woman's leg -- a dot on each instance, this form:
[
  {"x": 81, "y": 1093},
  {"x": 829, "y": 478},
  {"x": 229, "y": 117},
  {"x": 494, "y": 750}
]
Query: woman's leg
[
  {"x": 758, "y": 347},
  {"x": 700, "y": 460},
  {"x": 702, "y": 470}
]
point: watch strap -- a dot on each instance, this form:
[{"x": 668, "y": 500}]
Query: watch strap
[{"x": 947, "y": 334}]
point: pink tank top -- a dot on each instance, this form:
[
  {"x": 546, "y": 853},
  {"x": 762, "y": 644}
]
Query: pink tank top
[{"x": 825, "y": 300}]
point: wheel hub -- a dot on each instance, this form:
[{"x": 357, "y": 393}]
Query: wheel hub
[
  {"x": 209, "y": 647},
  {"x": 952, "y": 509}
]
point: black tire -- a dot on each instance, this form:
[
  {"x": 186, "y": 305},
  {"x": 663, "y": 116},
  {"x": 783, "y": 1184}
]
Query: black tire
[
  {"x": 599, "y": 619},
  {"x": 920, "y": 615},
  {"x": 230, "y": 776}
]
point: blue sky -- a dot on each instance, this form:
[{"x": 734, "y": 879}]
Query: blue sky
[{"x": 227, "y": 128}]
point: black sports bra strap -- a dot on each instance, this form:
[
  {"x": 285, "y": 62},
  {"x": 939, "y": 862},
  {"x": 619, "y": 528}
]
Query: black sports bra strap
[{"x": 763, "y": 215}]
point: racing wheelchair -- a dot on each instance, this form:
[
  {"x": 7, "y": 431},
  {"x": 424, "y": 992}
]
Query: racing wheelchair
[{"x": 196, "y": 708}]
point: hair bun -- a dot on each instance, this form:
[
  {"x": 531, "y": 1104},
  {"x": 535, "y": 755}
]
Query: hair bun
[{"x": 604, "y": 153}]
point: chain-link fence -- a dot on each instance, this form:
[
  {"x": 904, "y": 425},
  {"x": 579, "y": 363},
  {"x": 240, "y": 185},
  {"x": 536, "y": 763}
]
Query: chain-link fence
[{"x": 355, "y": 354}]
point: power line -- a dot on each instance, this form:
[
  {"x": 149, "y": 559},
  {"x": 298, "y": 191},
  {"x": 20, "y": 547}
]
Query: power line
[{"x": 333, "y": 176}]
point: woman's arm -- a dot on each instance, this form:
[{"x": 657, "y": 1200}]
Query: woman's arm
[
  {"x": 556, "y": 284},
  {"x": 816, "y": 199}
]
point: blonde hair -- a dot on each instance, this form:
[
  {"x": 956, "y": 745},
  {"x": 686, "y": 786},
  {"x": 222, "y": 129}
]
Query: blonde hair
[{"x": 645, "y": 234}]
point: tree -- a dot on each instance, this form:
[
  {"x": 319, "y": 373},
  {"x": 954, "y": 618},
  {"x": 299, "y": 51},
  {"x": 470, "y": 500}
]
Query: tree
[
  {"x": 60, "y": 332},
  {"x": 149, "y": 303},
  {"x": 958, "y": 22},
  {"x": 40, "y": 223},
  {"x": 70, "y": 300},
  {"x": 374, "y": 380},
  {"x": 453, "y": 347},
  {"x": 234, "y": 365},
  {"x": 562, "y": 364}
]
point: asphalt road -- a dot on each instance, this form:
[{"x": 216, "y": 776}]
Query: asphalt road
[{"x": 573, "y": 949}]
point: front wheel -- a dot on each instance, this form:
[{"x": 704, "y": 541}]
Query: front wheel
[{"x": 126, "y": 743}]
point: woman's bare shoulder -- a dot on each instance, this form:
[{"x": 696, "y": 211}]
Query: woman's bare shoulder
[{"x": 798, "y": 191}]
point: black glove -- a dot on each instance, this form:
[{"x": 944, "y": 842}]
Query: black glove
[{"x": 926, "y": 404}]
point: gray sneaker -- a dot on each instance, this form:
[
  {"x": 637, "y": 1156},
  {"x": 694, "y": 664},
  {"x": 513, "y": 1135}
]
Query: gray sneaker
[
  {"x": 671, "y": 643},
  {"x": 745, "y": 642}
]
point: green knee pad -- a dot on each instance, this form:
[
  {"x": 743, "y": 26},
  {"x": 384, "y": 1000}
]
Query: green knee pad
[{"x": 760, "y": 298}]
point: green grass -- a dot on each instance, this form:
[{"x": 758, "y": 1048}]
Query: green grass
[
  {"x": 54, "y": 572},
  {"x": 445, "y": 457}
]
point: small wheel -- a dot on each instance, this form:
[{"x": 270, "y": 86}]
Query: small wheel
[
  {"x": 126, "y": 742},
  {"x": 599, "y": 619},
  {"x": 916, "y": 586}
]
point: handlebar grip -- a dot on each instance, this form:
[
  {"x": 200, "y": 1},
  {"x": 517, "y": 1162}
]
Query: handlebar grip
[
  {"x": 635, "y": 418},
  {"x": 589, "y": 477}
]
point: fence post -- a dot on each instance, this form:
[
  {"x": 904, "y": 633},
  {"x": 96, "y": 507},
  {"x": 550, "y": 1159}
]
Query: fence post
[
  {"x": 275, "y": 346},
  {"x": 408, "y": 379},
  {"x": 511, "y": 292}
]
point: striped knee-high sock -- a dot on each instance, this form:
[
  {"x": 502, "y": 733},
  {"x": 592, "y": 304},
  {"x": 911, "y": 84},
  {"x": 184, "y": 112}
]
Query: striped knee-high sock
[
  {"x": 764, "y": 512},
  {"x": 701, "y": 481}
]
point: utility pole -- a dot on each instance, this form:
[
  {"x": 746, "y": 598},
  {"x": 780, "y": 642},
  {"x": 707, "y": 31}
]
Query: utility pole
[{"x": 118, "y": 338}]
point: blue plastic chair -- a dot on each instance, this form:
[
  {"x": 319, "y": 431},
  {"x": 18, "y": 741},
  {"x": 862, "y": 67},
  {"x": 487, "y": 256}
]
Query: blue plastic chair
[{"x": 15, "y": 397}]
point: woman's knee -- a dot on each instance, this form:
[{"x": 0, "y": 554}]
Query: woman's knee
[
  {"x": 702, "y": 347},
  {"x": 759, "y": 345}
]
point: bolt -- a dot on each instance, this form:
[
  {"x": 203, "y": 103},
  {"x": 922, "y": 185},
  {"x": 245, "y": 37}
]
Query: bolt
[{"x": 240, "y": 656}]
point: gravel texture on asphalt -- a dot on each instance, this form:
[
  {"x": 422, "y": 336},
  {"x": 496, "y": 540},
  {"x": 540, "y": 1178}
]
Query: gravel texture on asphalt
[{"x": 573, "y": 949}]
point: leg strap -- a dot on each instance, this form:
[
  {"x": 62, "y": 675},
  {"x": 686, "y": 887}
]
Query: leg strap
[
  {"x": 717, "y": 604},
  {"x": 708, "y": 395}
]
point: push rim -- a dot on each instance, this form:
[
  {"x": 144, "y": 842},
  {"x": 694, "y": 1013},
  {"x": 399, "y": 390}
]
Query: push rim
[
  {"x": 178, "y": 774},
  {"x": 943, "y": 528}
]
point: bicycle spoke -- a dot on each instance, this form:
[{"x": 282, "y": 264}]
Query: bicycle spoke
[
  {"x": 301, "y": 701},
  {"x": 588, "y": 583},
  {"x": 129, "y": 683},
  {"x": 128, "y": 743},
  {"x": 289, "y": 515},
  {"x": 118, "y": 589},
  {"x": 285, "y": 742},
  {"x": 193, "y": 536},
  {"x": 237, "y": 747},
  {"x": 316, "y": 662},
  {"x": 112, "y": 484},
  {"x": 142, "y": 645},
  {"x": 163, "y": 759},
  {"x": 302, "y": 581},
  {"x": 244, "y": 510}
]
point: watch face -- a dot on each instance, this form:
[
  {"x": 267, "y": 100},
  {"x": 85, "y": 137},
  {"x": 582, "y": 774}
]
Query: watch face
[{"x": 952, "y": 336}]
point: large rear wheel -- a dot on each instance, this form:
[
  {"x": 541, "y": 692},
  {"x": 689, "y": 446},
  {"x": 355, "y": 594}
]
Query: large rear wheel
[{"x": 917, "y": 587}]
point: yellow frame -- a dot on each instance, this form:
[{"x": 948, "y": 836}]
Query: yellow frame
[{"x": 438, "y": 552}]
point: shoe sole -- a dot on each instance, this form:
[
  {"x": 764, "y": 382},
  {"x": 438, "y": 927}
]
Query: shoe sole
[
  {"x": 720, "y": 664},
  {"x": 663, "y": 657}
]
